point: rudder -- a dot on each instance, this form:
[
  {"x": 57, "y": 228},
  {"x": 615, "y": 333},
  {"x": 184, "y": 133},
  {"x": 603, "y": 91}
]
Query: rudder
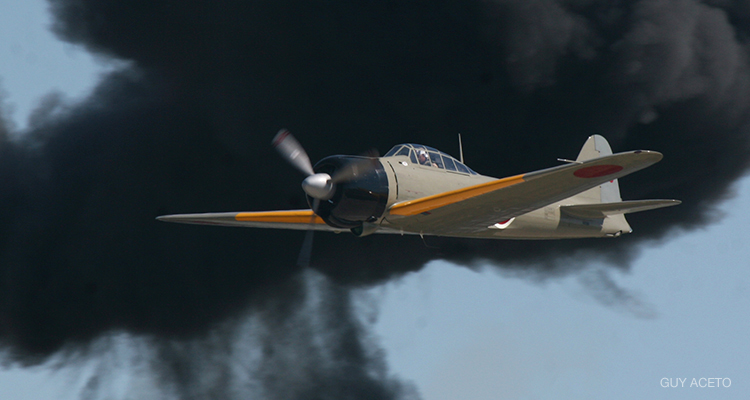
[{"x": 597, "y": 146}]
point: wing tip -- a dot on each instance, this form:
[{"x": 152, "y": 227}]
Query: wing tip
[
  {"x": 170, "y": 218},
  {"x": 187, "y": 218},
  {"x": 651, "y": 154}
]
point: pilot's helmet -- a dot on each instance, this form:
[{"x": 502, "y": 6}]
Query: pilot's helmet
[{"x": 422, "y": 153}]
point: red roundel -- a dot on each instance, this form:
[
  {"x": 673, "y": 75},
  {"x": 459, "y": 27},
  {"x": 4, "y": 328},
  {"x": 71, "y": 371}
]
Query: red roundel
[{"x": 597, "y": 171}]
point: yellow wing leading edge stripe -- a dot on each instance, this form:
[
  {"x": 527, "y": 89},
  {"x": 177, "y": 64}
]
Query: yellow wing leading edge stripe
[
  {"x": 294, "y": 219},
  {"x": 418, "y": 206},
  {"x": 562, "y": 180},
  {"x": 287, "y": 217}
]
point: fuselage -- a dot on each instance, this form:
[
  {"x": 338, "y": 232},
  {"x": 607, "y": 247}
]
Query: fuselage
[
  {"x": 402, "y": 175},
  {"x": 418, "y": 190}
]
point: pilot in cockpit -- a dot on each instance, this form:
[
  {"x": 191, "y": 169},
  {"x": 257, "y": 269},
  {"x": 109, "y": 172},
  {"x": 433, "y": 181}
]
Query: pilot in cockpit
[{"x": 424, "y": 159}]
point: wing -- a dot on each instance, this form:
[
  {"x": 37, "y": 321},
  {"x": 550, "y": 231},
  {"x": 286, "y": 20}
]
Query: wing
[
  {"x": 291, "y": 219},
  {"x": 471, "y": 210}
]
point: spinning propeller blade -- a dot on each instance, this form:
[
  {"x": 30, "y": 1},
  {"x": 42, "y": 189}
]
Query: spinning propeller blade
[
  {"x": 292, "y": 151},
  {"x": 317, "y": 186},
  {"x": 320, "y": 186},
  {"x": 305, "y": 253}
]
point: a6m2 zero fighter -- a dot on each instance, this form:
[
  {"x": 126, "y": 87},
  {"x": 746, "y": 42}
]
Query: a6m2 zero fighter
[{"x": 415, "y": 189}]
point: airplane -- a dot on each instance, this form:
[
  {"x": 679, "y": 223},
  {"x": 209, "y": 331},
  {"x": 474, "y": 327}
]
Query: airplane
[{"x": 418, "y": 190}]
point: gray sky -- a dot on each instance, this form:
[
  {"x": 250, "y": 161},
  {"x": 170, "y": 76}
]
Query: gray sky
[{"x": 454, "y": 332}]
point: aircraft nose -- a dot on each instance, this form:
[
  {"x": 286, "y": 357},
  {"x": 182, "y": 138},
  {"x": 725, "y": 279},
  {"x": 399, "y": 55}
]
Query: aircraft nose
[{"x": 318, "y": 186}]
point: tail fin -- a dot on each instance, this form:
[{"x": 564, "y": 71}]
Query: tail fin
[
  {"x": 604, "y": 202},
  {"x": 597, "y": 146}
]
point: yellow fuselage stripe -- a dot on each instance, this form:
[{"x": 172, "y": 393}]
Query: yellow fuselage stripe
[{"x": 414, "y": 207}]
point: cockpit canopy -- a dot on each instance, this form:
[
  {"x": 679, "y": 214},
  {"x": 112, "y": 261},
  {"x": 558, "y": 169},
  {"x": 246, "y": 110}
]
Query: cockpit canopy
[{"x": 428, "y": 156}]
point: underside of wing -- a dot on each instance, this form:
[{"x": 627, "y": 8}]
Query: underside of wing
[
  {"x": 290, "y": 219},
  {"x": 473, "y": 209}
]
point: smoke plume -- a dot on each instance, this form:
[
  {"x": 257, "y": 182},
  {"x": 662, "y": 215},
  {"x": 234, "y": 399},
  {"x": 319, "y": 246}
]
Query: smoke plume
[{"x": 185, "y": 124}]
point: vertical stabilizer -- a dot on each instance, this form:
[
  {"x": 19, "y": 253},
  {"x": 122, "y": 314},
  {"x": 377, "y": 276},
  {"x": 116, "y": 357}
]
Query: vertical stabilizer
[
  {"x": 602, "y": 207},
  {"x": 597, "y": 146}
]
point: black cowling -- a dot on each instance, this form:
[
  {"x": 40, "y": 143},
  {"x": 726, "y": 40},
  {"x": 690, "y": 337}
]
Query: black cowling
[{"x": 362, "y": 197}]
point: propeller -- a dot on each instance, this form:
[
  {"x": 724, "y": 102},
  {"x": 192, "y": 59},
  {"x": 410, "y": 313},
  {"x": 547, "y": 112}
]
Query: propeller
[
  {"x": 305, "y": 253},
  {"x": 320, "y": 186},
  {"x": 292, "y": 151}
]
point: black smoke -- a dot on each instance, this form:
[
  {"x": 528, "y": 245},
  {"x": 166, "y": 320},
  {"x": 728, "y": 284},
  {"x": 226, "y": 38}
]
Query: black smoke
[{"x": 184, "y": 126}]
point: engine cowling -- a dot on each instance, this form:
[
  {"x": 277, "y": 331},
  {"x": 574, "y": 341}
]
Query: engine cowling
[{"x": 359, "y": 199}]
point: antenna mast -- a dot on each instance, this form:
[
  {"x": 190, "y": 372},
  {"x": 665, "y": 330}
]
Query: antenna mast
[{"x": 460, "y": 148}]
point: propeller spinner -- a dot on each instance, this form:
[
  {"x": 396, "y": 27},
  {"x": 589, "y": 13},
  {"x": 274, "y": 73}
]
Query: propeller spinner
[
  {"x": 319, "y": 186},
  {"x": 361, "y": 181}
]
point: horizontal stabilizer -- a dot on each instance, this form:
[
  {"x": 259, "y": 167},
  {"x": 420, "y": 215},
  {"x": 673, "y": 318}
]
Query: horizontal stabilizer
[{"x": 601, "y": 210}]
